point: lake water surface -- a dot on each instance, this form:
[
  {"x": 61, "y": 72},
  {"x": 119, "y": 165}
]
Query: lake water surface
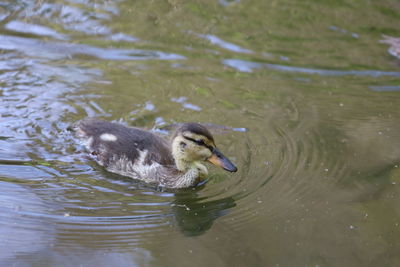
[{"x": 301, "y": 95}]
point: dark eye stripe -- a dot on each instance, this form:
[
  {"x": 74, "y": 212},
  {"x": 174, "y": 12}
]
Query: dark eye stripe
[{"x": 200, "y": 143}]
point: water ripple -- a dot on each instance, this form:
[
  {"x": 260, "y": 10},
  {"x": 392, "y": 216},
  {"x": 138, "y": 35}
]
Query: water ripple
[
  {"x": 54, "y": 50},
  {"x": 248, "y": 66},
  {"x": 23, "y": 27},
  {"x": 224, "y": 44},
  {"x": 297, "y": 162}
]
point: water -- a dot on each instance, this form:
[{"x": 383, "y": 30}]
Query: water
[{"x": 302, "y": 96}]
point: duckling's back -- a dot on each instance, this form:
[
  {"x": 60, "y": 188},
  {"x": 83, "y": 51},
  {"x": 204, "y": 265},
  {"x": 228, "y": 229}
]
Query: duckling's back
[{"x": 125, "y": 150}]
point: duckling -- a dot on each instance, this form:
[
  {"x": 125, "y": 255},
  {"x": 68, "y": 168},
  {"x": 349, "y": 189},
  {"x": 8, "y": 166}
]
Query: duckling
[{"x": 143, "y": 155}]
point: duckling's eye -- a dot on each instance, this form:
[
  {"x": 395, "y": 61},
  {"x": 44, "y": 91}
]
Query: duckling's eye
[
  {"x": 182, "y": 144},
  {"x": 200, "y": 142}
]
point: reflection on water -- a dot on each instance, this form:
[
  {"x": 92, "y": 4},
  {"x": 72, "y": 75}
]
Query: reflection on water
[
  {"x": 221, "y": 43},
  {"x": 34, "y": 48},
  {"x": 194, "y": 216},
  {"x": 394, "y": 43},
  {"x": 248, "y": 66},
  {"x": 305, "y": 104}
]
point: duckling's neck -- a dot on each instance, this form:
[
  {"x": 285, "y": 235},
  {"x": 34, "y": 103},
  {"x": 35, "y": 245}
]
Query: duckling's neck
[
  {"x": 184, "y": 166},
  {"x": 187, "y": 178},
  {"x": 190, "y": 171}
]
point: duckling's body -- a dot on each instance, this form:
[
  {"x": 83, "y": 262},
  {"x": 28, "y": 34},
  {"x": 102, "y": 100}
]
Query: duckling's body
[{"x": 146, "y": 156}]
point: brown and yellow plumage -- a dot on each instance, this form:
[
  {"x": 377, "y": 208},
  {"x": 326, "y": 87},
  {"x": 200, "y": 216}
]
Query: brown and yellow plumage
[{"x": 146, "y": 156}]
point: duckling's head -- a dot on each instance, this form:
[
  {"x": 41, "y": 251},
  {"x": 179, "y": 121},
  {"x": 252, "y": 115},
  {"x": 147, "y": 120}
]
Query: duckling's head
[{"x": 192, "y": 144}]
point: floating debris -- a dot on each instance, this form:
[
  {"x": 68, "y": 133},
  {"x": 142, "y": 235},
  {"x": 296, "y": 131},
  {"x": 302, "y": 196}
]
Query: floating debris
[{"x": 394, "y": 43}]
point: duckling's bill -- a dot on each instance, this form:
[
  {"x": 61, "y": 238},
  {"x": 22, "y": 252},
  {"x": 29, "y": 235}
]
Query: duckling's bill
[{"x": 220, "y": 160}]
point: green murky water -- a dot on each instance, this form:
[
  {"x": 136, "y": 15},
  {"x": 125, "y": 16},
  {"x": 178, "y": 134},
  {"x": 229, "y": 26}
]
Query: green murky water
[{"x": 318, "y": 180}]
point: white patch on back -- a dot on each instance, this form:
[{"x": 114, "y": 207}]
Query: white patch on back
[{"x": 108, "y": 137}]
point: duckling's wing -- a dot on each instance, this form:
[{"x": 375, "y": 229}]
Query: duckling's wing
[{"x": 111, "y": 141}]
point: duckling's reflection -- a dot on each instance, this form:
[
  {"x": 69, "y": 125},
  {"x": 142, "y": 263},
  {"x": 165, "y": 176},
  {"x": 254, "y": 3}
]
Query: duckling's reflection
[{"x": 194, "y": 215}]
